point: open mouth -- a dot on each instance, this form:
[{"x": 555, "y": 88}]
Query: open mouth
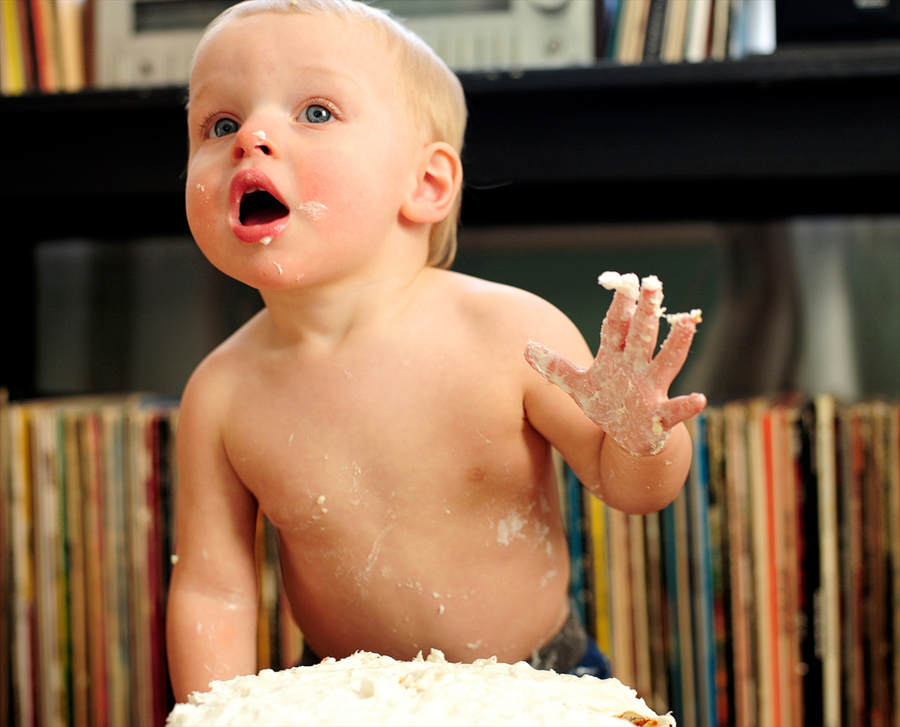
[{"x": 259, "y": 207}]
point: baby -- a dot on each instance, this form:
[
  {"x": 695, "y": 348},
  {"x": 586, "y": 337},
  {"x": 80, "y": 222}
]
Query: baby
[{"x": 379, "y": 409}]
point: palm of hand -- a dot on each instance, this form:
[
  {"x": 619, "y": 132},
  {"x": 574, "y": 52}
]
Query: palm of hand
[{"x": 625, "y": 390}]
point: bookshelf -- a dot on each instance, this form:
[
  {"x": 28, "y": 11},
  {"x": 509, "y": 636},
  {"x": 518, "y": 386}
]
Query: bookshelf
[{"x": 809, "y": 131}]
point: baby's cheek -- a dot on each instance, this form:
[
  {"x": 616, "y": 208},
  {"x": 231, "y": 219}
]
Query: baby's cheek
[
  {"x": 207, "y": 222},
  {"x": 198, "y": 205}
]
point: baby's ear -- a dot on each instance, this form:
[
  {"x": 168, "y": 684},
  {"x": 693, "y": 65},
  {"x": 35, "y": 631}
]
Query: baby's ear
[{"x": 439, "y": 178}]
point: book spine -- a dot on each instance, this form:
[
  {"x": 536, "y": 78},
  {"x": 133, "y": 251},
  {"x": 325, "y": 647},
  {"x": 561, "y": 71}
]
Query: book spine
[
  {"x": 24, "y": 688},
  {"x": 643, "y": 680},
  {"x": 620, "y": 594},
  {"x": 829, "y": 599},
  {"x": 893, "y": 519},
  {"x": 656, "y": 613},
  {"x": 809, "y": 556},
  {"x": 702, "y": 575},
  {"x": 575, "y": 533},
  {"x": 6, "y": 589},
  {"x": 684, "y": 609},
  {"x": 602, "y": 631},
  {"x": 741, "y": 557},
  {"x": 720, "y": 565}
]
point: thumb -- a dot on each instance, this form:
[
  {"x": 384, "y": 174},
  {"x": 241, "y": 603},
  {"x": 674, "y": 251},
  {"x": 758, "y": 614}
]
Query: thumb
[{"x": 680, "y": 408}]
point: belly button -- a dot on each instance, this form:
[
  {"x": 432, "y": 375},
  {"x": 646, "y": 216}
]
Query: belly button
[{"x": 475, "y": 474}]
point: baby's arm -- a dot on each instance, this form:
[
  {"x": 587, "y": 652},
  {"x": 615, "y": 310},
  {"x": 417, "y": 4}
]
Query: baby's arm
[
  {"x": 211, "y": 620},
  {"x": 625, "y": 392}
]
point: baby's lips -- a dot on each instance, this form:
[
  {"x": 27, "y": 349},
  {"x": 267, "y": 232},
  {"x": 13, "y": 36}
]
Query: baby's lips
[{"x": 243, "y": 183}]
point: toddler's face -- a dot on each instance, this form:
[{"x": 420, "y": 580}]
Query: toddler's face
[{"x": 301, "y": 148}]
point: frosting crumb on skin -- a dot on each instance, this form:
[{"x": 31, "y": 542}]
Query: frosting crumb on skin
[
  {"x": 619, "y": 391},
  {"x": 626, "y": 284},
  {"x": 315, "y": 211},
  {"x": 695, "y": 316}
]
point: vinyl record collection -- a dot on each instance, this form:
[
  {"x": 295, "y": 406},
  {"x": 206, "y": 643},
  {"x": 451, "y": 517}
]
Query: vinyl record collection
[{"x": 768, "y": 593}]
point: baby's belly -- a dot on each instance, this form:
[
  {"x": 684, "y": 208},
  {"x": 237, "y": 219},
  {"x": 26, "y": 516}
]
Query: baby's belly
[{"x": 479, "y": 581}]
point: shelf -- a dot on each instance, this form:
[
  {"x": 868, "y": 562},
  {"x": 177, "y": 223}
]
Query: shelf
[
  {"x": 796, "y": 132},
  {"x": 770, "y": 136}
]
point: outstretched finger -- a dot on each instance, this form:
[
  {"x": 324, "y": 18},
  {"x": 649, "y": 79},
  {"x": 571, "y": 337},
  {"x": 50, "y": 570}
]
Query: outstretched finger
[
  {"x": 555, "y": 368},
  {"x": 675, "y": 348},
  {"x": 644, "y": 330},
  {"x": 680, "y": 408},
  {"x": 621, "y": 310},
  {"x": 615, "y": 326}
]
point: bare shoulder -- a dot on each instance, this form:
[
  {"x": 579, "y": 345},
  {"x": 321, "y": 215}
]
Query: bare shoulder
[
  {"x": 207, "y": 481},
  {"x": 219, "y": 373},
  {"x": 495, "y": 302},
  {"x": 506, "y": 313}
]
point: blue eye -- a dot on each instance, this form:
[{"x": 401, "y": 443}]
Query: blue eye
[
  {"x": 223, "y": 127},
  {"x": 317, "y": 114}
]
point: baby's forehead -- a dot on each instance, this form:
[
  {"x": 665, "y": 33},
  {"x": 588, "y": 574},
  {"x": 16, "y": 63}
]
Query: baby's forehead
[
  {"x": 350, "y": 26},
  {"x": 383, "y": 55}
]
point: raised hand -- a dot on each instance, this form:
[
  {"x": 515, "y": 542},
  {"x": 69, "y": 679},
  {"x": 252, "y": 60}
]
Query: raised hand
[{"x": 625, "y": 391}]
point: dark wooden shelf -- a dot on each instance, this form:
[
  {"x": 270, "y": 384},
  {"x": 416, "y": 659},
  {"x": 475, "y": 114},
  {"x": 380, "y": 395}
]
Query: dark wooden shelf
[
  {"x": 792, "y": 133},
  {"x": 796, "y": 132}
]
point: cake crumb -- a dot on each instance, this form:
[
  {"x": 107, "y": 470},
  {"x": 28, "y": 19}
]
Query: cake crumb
[
  {"x": 696, "y": 316},
  {"x": 627, "y": 284}
]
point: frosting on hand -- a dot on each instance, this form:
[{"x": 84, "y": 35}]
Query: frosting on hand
[{"x": 625, "y": 390}]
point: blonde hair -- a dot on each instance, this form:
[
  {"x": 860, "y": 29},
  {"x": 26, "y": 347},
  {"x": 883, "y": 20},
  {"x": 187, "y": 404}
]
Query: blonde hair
[{"x": 433, "y": 92}]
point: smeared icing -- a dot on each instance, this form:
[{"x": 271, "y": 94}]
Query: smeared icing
[{"x": 367, "y": 689}]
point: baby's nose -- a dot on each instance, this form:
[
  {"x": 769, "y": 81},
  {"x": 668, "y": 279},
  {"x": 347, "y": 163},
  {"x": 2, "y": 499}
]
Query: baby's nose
[{"x": 251, "y": 140}]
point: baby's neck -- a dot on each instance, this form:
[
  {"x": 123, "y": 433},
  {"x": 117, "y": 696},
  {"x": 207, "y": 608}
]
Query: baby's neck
[{"x": 326, "y": 316}]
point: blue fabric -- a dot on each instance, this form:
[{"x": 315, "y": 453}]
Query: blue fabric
[{"x": 594, "y": 663}]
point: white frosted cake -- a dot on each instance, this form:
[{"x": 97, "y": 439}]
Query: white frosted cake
[{"x": 367, "y": 689}]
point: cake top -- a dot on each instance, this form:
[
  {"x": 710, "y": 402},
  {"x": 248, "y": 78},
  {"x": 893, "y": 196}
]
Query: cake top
[{"x": 368, "y": 689}]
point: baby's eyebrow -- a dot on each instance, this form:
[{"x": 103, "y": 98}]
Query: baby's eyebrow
[
  {"x": 329, "y": 72},
  {"x": 315, "y": 72}
]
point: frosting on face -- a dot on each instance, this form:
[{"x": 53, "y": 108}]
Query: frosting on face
[{"x": 313, "y": 210}]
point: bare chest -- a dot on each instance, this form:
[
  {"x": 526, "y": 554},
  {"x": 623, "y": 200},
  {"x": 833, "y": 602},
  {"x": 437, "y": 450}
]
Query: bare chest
[{"x": 378, "y": 443}]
